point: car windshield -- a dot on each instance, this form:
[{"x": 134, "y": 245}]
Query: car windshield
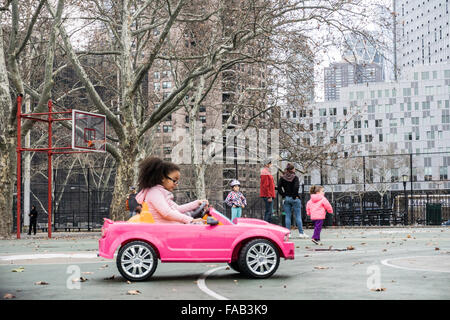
[{"x": 220, "y": 214}]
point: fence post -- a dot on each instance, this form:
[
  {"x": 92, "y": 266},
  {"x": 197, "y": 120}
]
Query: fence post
[{"x": 413, "y": 220}]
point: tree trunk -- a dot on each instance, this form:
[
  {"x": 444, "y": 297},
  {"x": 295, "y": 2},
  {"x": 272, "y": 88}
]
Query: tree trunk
[
  {"x": 7, "y": 179},
  {"x": 125, "y": 178}
]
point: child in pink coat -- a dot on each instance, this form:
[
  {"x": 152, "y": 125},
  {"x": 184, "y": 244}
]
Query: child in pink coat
[{"x": 317, "y": 209}]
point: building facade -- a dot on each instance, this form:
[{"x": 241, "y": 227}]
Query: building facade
[
  {"x": 423, "y": 32},
  {"x": 406, "y": 121}
]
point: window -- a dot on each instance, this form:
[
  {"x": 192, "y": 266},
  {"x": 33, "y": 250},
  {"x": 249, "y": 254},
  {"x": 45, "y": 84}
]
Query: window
[
  {"x": 333, "y": 111},
  {"x": 357, "y": 124},
  {"x": 406, "y": 92},
  {"x": 443, "y": 173},
  {"x": 202, "y": 119},
  {"x": 344, "y": 111},
  {"x": 368, "y": 138},
  {"x": 380, "y": 137},
  {"x": 394, "y": 175},
  {"x": 371, "y": 109},
  {"x": 167, "y": 128},
  {"x": 366, "y": 124},
  {"x": 378, "y": 123},
  {"x": 156, "y": 86},
  {"x": 322, "y": 112},
  {"x": 415, "y": 121},
  {"x": 166, "y": 85},
  {"x": 446, "y": 73},
  {"x": 428, "y": 174},
  {"x": 425, "y": 75},
  {"x": 155, "y": 75}
]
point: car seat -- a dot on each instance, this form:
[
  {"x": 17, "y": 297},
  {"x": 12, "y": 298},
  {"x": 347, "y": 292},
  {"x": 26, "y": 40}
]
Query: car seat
[{"x": 144, "y": 217}]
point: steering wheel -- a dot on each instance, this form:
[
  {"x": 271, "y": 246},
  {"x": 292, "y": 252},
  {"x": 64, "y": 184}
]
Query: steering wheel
[{"x": 198, "y": 213}]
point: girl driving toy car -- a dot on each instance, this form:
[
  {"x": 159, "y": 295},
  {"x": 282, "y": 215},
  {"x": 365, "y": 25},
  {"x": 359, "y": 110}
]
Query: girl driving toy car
[{"x": 157, "y": 179}]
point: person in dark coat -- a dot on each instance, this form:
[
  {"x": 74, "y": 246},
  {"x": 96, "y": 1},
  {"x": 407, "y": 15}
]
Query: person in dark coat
[
  {"x": 288, "y": 189},
  {"x": 33, "y": 219}
]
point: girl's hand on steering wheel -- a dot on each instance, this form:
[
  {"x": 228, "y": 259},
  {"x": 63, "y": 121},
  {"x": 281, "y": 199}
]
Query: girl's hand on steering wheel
[{"x": 201, "y": 201}]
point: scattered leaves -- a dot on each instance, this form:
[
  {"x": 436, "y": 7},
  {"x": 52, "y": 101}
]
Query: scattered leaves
[{"x": 133, "y": 292}]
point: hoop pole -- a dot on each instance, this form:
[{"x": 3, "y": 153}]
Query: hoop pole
[
  {"x": 49, "y": 159},
  {"x": 19, "y": 160}
]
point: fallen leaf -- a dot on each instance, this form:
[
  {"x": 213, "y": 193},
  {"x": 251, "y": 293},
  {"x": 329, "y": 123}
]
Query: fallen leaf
[
  {"x": 20, "y": 269},
  {"x": 437, "y": 249},
  {"x": 306, "y": 255},
  {"x": 133, "y": 292},
  {"x": 80, "y": 279},
  {"x": 384, "y": 250},
  {"x": 408, "y": 236},
  {"x": 321, "y": 268},
  {"x": 128, "y": 282},
  {"x": 9, "y": 296},
  {"x": 211, "y": 265},
  {"x": 87, "y": 272},
  {"x": 378, "y": 289},
  {"x": 284, "y": 286},
  {"x": 350, "y": 248},
  {"x": 110, "y": 278},
  {"x": 42, "y": 283},
  {"x": 363, "y": 243}
]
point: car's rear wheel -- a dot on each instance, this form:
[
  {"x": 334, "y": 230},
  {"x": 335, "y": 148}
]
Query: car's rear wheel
[
  {"x": 259, "y": 258},
  {"x": 137, "y": 261}
]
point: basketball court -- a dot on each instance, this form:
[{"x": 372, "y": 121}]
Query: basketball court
[{"x": 397, "y": 263}]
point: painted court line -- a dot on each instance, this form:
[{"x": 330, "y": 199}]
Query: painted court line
[
  {"x": 202, "y": 285},
  {"x": 49, "y": 256},
  {"x": 386, "y": 263}
]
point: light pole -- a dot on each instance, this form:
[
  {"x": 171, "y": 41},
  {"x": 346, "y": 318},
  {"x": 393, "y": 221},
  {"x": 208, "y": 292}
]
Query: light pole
[{"x": 405, "y": 179}]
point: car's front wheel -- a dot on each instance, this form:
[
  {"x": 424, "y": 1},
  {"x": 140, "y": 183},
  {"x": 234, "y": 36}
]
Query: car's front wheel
[
  {"x": 259, "y": 258},
  {"x": 137, "y": 261}
]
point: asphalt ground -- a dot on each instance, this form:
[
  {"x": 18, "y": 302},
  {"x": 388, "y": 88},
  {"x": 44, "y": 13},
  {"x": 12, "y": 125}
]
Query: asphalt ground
[{"x": 351, "y": 264}]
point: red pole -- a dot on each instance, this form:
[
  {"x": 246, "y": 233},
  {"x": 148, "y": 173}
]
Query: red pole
[
  {"x": 49, "y": 157},
  {"x": 19, "y": 160}
]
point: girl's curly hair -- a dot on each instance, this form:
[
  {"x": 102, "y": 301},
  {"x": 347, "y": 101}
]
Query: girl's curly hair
[{"x": 152, "y": 170}]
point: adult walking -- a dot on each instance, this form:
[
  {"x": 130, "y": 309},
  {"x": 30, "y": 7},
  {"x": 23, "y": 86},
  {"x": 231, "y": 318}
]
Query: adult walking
[
  {"x": 288, "y": 189},
  {"x": 131, "y": 203},
  {"x": 33, "y": 220},
  {"x": 267, "y": 189}
]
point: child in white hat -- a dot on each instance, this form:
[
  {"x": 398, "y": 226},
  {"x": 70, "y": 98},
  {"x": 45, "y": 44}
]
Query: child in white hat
[{"x": 236, "y": 200}]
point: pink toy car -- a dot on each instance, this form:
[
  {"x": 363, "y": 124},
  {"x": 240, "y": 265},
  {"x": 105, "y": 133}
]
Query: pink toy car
[{"x": 250, "y": 246}]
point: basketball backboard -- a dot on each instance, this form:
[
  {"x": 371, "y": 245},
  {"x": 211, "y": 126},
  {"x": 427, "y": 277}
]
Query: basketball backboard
[{"x": 88, "y": 131}]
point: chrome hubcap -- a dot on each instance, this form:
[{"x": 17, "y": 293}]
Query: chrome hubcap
[
  {"x": 137, "y": 261},
  {"x": 261, "y": 258}
]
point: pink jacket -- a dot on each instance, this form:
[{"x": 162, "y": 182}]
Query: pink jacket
[
  {"x": 163, "y": 208},
  {"x": 316, "y": 207}
]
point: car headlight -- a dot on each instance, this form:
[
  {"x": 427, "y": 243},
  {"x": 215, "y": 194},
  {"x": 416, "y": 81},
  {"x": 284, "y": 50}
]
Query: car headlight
[{"x": 286, "y": 237}]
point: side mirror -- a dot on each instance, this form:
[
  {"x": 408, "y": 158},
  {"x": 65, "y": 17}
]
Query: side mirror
[{"x": 212, "y": 221}]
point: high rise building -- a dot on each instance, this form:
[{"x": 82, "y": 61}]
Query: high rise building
[
  {"x": 423, "y": 32},
  {"x": 343, "y": 74},
  {"x": 362, "y": 63}
]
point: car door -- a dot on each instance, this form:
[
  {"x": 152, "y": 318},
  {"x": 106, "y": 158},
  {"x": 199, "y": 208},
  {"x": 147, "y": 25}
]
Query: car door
[{"x": 193, "y": 242}]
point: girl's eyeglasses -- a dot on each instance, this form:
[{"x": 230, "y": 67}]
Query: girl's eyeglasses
[{"x": 173, "y": 180}]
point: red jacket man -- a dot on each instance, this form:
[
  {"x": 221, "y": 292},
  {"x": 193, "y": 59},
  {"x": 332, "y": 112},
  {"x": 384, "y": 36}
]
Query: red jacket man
[
  {"x": 267, "y": 184},
  {"x": 267, "y": 190}
]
